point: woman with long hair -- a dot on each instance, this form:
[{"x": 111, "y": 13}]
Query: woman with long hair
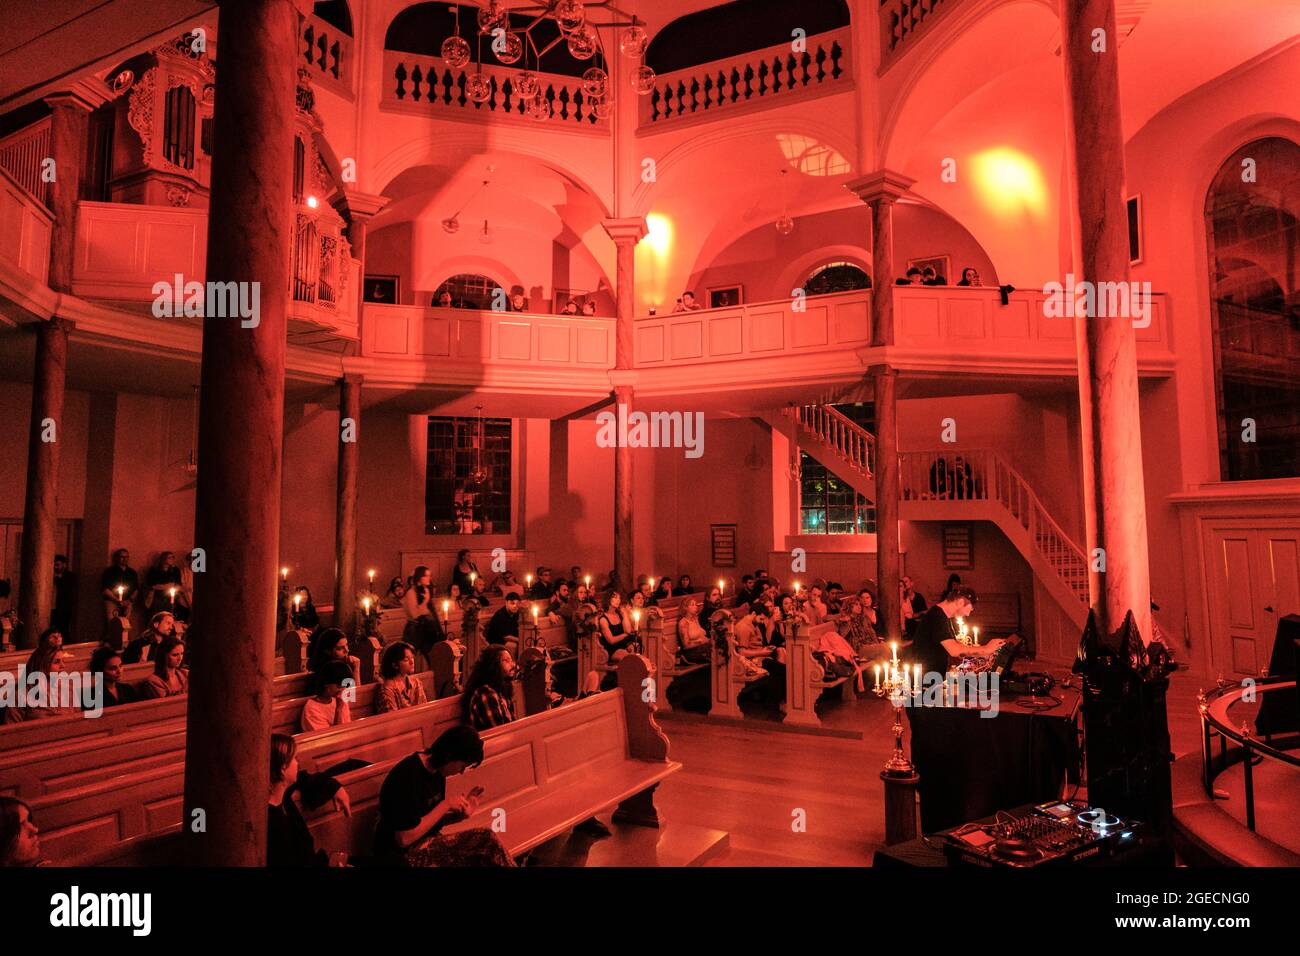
[
  {"x": 169, "y": 678},
  {"x": 330, "y": 645},
  {"x": 305, "y": 616},
  {"x": 288, "y": 840},
  {"x": 20, "y": 840},
  {"x": 423, "y": 628},
  {"x": 614, "y": 635},
  {"x": 398, "y": 687},
  {"x": 48, "y": 660},
  {"x": 465, "y": 571},
  {"x": 51, "y": 640},
  {"x": 107, "y": 662},
  {"x": 488, "y": 700},
  {"x": 692, "y": 641}
]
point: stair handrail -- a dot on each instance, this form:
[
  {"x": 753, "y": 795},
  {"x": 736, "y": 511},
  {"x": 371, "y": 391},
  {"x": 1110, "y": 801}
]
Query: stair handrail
[{"x": 852, "y": 442}]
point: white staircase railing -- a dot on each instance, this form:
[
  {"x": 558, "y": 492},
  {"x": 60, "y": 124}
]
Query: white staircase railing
[
  {"x": 983, "y": 475},
  {"x": 853, "y": 444}
]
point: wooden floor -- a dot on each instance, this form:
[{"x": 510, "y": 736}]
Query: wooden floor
[{"x": 755, "y": 781}]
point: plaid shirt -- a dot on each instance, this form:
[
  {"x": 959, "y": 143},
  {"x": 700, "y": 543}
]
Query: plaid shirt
[{"x": 487, "y": 708}]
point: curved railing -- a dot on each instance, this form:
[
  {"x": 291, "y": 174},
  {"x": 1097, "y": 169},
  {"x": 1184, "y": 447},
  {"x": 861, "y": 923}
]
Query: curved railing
[{"x": 1215, "y": 722}]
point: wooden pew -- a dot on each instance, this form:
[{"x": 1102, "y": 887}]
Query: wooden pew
[
  {"x": 660, "y": 641},
  {"x": 69, "y": 764},
  {"x": 728, "y": 679},
  {"x": 805, "y": 678},
  {"x": 545, "y": 773}
]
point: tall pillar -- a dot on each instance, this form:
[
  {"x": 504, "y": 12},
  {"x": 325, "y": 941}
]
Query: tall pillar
[
  {"x": 880, "y": 190},
  {"x": 345, "y": 513},
  {"x": 626, "y": 233},
  {"x": 1114, "y": 493},
  {"x": 362, "y": 207},
  {"x": 241, "y": 412},
  {"x": 69, "y": 132},
  {"x": 40, "y": 511}
]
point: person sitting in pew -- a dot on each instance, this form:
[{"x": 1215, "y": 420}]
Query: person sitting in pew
[
  {"x": 396, "y": 591},
  {"x": 145, "y": 647},
  {"x": 465, "y": 571},
  {"x": 48, "y": 661},
  {"x": 503, "y": 626},
  {"x": 857, "y": 623},
  {"x": 488, "y": 700},
  {"x": 683, "y": 586},
  {"x": 108, "y": 663},
  {"x": 644, "y": 587},
  {"x": 413, "y": 808},
  {"x": 560, "y": 610},
  {"x": 754, "y": 641},
  {"x": 614, "y": 635},
  {"x": 636, "y": 601},
  {"x": 692, "y": 642},
  {"x": 748, "y": 590},
  {"x": 477, "y": 593},
  {"x": 814, "y": 608},
  {"x": 398, "y": 688},
  {"x": 305, "y": 616},
  {"x": 20, "y": 840},
  {"x": 505, "y": 583},
  {"x": 662, "y": 591},
  {"x": 51, "y": 640},
  {"x": 834, "y": 598},
  {"x": 288, "y": 839},
  {"x": 331, "y": 645},
  {"x": 712, "y": 604},
  {"x": 169, "y": 678},
  {"x": 542, "y": 586},
  {"x": 329, "y": 708}
]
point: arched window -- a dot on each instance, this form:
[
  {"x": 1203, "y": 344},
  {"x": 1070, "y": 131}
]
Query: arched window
[
  {"x": 468, "y": 291},
  {"x": 836, "y": 277},
  {"x": 1254, "y": 243},
  {"x": 335, "y": 13}
]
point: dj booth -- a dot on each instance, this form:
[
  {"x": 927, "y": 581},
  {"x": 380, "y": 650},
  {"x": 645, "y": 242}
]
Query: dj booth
[{"x": 972, "y": 765}]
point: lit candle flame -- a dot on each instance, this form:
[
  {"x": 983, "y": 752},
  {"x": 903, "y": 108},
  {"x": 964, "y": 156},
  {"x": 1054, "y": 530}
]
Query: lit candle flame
[
  {"x": 365, "y": 605},
  {"x": 284, "y": 573},
  {"x": 372, "y": 575}
]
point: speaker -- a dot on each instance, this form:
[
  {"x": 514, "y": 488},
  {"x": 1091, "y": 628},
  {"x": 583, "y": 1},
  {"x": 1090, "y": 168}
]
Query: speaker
[{"x": 1279, "y": 712}]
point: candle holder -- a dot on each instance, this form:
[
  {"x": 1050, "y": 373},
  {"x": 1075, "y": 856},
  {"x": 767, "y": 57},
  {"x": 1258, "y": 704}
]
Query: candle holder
[{"x": 895, "y": 687}]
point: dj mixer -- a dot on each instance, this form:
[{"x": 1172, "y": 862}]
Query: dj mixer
[{"x": 1053, "y": 833}]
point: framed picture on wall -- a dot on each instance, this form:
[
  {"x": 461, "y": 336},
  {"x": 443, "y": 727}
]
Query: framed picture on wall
[
  {"x": 381, "y": 289},
  {"x": 942, "y": 265},
  {"x": 723, "y": 540},
  {"x": 726, "y": 296}
]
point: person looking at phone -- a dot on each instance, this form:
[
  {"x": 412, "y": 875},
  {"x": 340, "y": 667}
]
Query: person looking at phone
[{"x": 288, "y": 839}]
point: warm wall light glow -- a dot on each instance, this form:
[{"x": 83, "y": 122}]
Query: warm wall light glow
[
  {"x": 659, "y": 234},
  {"x": 1009, "y": 182},
  {"x": 653, "y": 255}
]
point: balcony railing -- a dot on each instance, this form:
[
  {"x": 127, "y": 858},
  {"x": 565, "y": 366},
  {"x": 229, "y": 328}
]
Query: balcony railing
[
  {"x": 902, "y": 22},
  {"x": 25, "y": 226},
  {"x": 21, "y": 156},
  {"x": 427, "y": 84},
  {"x": 123, "y": 249},
  {"x": 769, "y": 77},
  {"x": 468, "y": 339},
  {"x": 327, "y": 53}
]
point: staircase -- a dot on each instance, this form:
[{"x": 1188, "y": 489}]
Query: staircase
[
  {"x": 838, "y": 442},
  {"x": 934, "y": 487}
]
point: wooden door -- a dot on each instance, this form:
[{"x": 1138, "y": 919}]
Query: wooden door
[{"x": 1253, "y": 572}]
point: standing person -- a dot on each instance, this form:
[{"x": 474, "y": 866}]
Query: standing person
[
  {"x": 119, "y": 585},
  {"x": 161, "y": 583},
  {"x": 423, "y": 627},
  {"x": 912, "y": 603},
  {"x": 65, "y": 595},
  {"x": 464, "y": 571},
  {"x": 169, "y": 678},
  {"x": 414, "y": 807}
]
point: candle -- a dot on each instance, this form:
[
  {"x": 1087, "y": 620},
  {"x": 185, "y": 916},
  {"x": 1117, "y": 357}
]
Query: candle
[
  {"x": 916, "y": 686},
  {"x": 587, "y": 580},
  {"x": 284, "y": 574},
  {"x": 171, "y": 594},
  {"x": 796, "y": 589},
  {"x": 446, "y": 606},
  {"x": 371, "y": 573},
  {"x": 977, "y": 635},
  {"x": 365, "y": 605},
  {"x": 534, "y": 614},
  {"x": 636, "y": 620},
  {"x": 722, "y": 586},
  {"x": 893, "y": 647},
  {"x": 473, "y": 576},
  {"x": 528, "y": 581},
  {"x": 877, "y": 677},
  {"x": 297, "y": 599},
  {"x": 120, "y": 591}
]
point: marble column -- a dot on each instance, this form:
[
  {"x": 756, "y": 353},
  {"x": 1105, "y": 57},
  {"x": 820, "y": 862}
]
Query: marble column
[
  {"x": 40, "y": 511},
  {"x": 1114, "y": 493},
  {"x": 231, "y": 645},
  {"x": 626, "y": 233},
  {"x": 362, "y": 207},
  {"x": 880, "y": 190},
  {"x": 345, "y": 512}
]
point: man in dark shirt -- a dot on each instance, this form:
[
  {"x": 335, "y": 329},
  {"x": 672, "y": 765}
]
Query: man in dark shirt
[
  {"x": 503, "y": 628},
  {"x": 65, "y": 590},
  {"x": 912, "y": 598},
  {"x": 118, "y": 585},
  {"x": 413, "y": 801},
  {"x": 934, "y": 642},
  {"x": 543, "y": 587}
]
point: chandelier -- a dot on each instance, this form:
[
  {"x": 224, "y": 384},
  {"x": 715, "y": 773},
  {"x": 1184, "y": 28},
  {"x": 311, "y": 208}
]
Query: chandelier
[{"x": 579, "y": 30}]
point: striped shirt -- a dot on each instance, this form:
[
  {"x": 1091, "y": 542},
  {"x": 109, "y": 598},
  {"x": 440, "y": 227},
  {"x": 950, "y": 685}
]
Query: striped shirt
[{"x": 487, "y": 708}]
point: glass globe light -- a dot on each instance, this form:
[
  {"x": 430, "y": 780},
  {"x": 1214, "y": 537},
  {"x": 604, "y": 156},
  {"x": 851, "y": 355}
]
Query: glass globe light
[
  {"x": 526, "y": 84},
  {"x": 512, "y": 48},
  {"x": 451, "y": 225},
  {"x": 569, "y": 14},
  {"x": 455, "y": 52},
  {"x": 643, "y": 80},
  {"x": 595, "y": 81},
  {"x": 583, "y": 43},
  {"x": 491, "y": 16},
  {"x": 478, "y": 88},
  {"x": 633, "y": 42},
  {"x": 541, "y": 111},
  {"x": 785, "y": 225},
  {"x": 602, "y": 108}
]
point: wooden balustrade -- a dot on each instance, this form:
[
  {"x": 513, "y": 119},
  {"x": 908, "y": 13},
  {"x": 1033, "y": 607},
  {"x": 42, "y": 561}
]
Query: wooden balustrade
[
  {"x": 854, "y": 444},
  {"x": 767, "y": 77},
  {"x": 22, "y": 154},
  {"x": 428, "y": 84}
]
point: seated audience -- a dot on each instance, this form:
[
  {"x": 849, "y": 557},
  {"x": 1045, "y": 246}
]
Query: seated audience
[
  {"x": 687, "y": 303},
  {"x": 49, "y": 661},
  {"x": 748, "y": 590},
  {"x": 683, "y": 586},
  {"x": 931, "y": 276},
  {"x": 289, "y": 842},
  {"x": 444, "y": 300},
  {"x": 503, "y": 626},
  {"x": 857, "y": 623},
  {"x": 488, "y": 699},
  {"x": 834, "y": 597},
  {"x": 396, "y": 591},
  {"x": 645, "y": 587},
  {"x": 51, "y": 640},
  {"x": 329, "y": 708},
  {"x": 969, "y": 276},
  {"x": 575, "y": 576},
  {"x": 913, "y": 277},
  {"x": 145, "y": 647},
  {"x": 954, "y": 581},
  {"x": 413, "y": 808},
  {"x": 753, "y": 642},
  {"x": 541, "y": 588},
  {"x": 398, "y": 687},
  {"x": 560, "y": 608},
  {"x": 169, "y": 678},
  {"x": 506, "y": 584},
  {"x": 330, "y": 644},
  {"x": 712, "y": 604},
  {"x": 814, "y": 606},
  {"x": 570, "y": 308},
  {"x": 108, "y": 662},
  {"x": 20, "y": 840},
  {"x": 614, "y": 635},
  {"x": 662, "y": 591},
  {"x": 517, "y": 302},
  {"x": 589, "y": 307},
  {"x": 692, "y": 641},
  {"x": 304, "y": 614},
  {"x": 477, "y": 594}
]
